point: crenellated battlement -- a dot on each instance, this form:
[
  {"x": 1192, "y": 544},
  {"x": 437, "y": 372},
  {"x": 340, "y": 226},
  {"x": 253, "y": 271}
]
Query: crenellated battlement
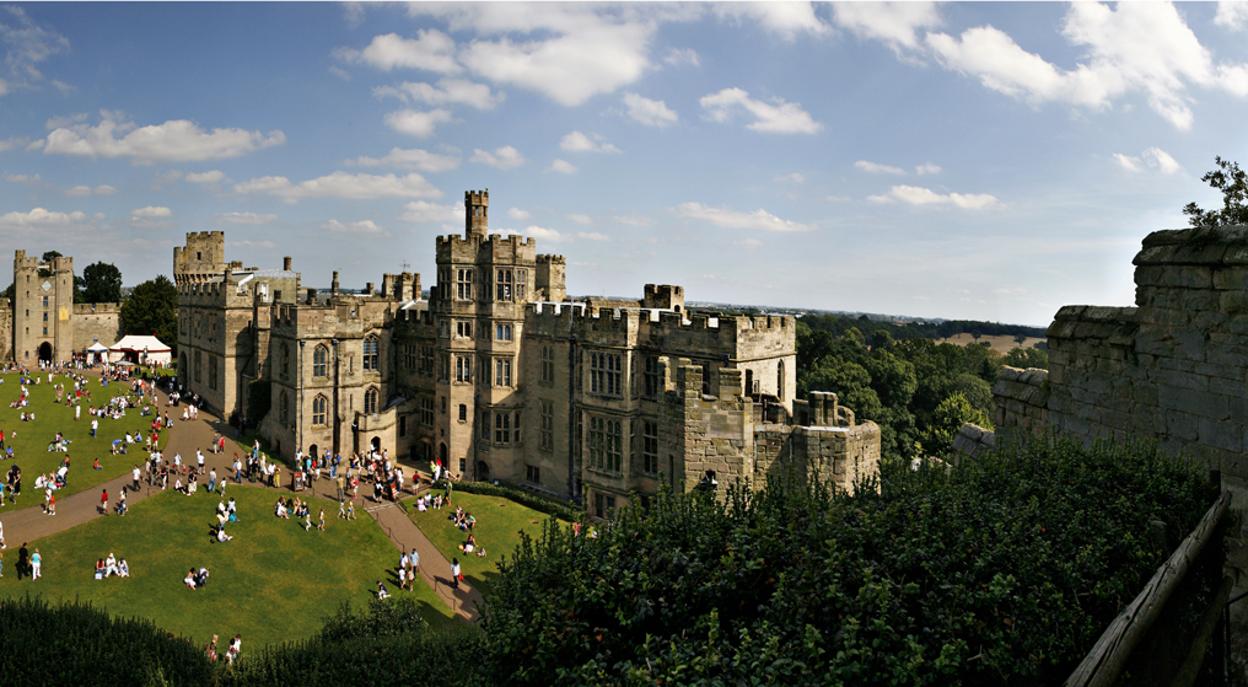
[{"x": 501, "y": 248}]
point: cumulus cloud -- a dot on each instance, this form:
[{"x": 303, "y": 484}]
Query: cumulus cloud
[
  {"x": 878, "y": 168},
  {"x": 680, "y": 56},
  {"x": 213, "y": 176},
  {"x": 11, "y": 143},
  {"x": 786, "y": 19},
  {"x": 1232, "y": 15},
  {"x": 506, "y": 157},
  {"x": 410, "y": 158},
  {"x": 150, "y": 217},
  {"x": 342, "y": 185},
  {"x": 420, "y": 124},
  {"x": 543, "y": 233},
  {"x": 246, "y": 218},
  {"x": 649, "y": 112},
  {"x": 758, "y": 220},
  {"x": 83, "y": 190},
  {"x": 431, "y": 50},
  {"x": 896, "y": 24},
  {"x": 40, "y": 217},
  {"x": 921, "y": 196},
  {"x": 363, "y": 226},
  {"x": 562, "y": 167},
  {"x": 775, "y": 117},
  {"x": 581, "y": 218},
  {"x": 177, "y": 140},
  {"x": 927, "y": 168},
  {"x": 424, "y": 212},
  {"x": 518, "y": 214},
  {"x": 577, "y": 142},
  {"x": 1152, "y": 158},
  {"x": 445, "y": 92}
]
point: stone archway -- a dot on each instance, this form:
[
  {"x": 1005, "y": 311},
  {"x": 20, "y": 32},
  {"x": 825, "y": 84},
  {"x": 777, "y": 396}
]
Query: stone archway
[
  {"x": 45, "y": 352},
  {"x": 376, "y": 443},
  {"x": 483, "y": 471}
]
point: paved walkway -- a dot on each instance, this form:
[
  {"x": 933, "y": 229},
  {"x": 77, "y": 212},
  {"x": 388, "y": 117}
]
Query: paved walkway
[{"x": 31, "y": 523}]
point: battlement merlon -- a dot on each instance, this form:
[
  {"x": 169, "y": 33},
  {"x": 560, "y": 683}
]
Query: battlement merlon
[{"x": 496, "y": 248}]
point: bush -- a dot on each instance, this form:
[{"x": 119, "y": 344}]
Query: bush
[
  {"x": 1001, "y": 572},
  {"x": 564, "y": 510}
]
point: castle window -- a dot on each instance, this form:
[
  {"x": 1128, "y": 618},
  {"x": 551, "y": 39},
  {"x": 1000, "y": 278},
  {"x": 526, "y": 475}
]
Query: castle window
[
  {"x": 463, "y": 283},
  {"x": 402, "y": 425},
  {"x": 45, "y": 301},
  {"x": 652, "y": 377},
  {"x": 522, "y": 283},
  {"x": 463, "y": 329},
  {"x": 502, "y": 331},
  {"x": 320, "y": 361},
  {"x": 370, "y": 401},
  {"x": 45, "y": 317},
  {"x": 604, "y": 374},
  {"x": 370, "y": 353},
  {"x": 502, "y": 429},
  {"x": 706, "y": 379},
  {"x": 409, "y": 357},
  {"x": 485, "y": 425},
  {"x": 199, "y": 367},
  {"x": 212, "y": 372},
  {"x": 463, "y": 412},
  {"x": 546, "y": 438},
  {"x": 503, "y": 285},
  {"x": 426, "y": 360},
  {"x": 780, "y": 381},
  {"x": 502, "y": 372},
  {"x": 283, "y": 408},
  {"x": 548, "y": 365},
  {"x": 650, "y": 447},
  {"x": 606, "y": 445},
  {"x": 426, "y": 411},
  {"x": 285, "y": 360},
  {"x": 320, "y": 410},
  {"x": 604, "y": 505},
  {"x": 532, "y": 474},
  {"x": 463, "y": 368}
]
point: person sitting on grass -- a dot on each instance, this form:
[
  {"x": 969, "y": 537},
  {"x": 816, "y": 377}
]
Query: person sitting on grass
[
  {"x": 123, "y": 568},
  {"x": 222, "y": 537},
  {"x": 469, "y": 545},
  {"x": 382, "y": 594},
  {"x": 201, "y": 577},
  {"x": 99, "y": 568},
  {"x": 190, "y": 580},
  {"x": 110, "y": 565},
  {"x": 280, "y": 510},
  {"x": 96, "y": 464}
]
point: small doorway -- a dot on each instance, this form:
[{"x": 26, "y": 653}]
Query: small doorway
[
  {"x": 376, "y": 444},
  {"x": 45, "y": 352},
  {"x": 314, "y": 452},
  {"x": 483, "y": 471}
]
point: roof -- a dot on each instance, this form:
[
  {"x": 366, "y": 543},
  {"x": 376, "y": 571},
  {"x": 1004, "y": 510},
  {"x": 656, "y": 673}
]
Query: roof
[
  {"x": 135, "y": 342},
  {"x": 97, "y": 346}
]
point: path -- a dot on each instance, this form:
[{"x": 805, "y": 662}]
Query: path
[{"x": 31, "y": 523}]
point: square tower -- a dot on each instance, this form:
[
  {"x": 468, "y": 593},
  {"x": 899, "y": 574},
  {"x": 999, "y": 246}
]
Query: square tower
[
  {"x": 476, "y": 214},
  {"x": 43, "y": 306}
]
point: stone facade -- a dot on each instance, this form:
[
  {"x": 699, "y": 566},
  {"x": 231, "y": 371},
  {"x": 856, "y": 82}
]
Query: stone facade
[
  {"x": 43, "y": 322},
  {"x": 501, "y": 376}
]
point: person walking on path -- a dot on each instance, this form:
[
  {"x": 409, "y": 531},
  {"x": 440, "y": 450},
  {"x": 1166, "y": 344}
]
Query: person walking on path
[
  {"x": 456, "y": 573},
  {"x": 36, "y": 565},
  {"x": 104, "y": 501}
]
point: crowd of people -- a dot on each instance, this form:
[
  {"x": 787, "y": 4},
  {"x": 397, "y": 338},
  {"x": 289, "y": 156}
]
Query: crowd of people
[{"x": 111, "y": 566}]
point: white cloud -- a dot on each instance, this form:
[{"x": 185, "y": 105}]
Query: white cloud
[
  {"x": 39, "y": 217},
  {"x": 11, "y": 143},
  {"x": 787, "y": 19},
  {"x": 78, "y": 191},
  {"x": 758, "y": 220},
  {"x": 26, "y": 45},
  {"x": 581, "y": 218},
  {"x": 680, "y": 56},
  {"x": 649, "y": 112},
  {"x": 446, "y": 92},
  {"x": 364, "y": 226},
  {"x": 63, "y": 121},
  {"x": 417, "y": 123},
  {"x": 878, "y": 168},
  {"x": 791, "y": 178},
  {"x": 775, "y": 117},
  {"x": 895, "y": 24},
  {"x": 543, "y": 233},
  {"x": 506, "y": 157},
  {"x": 918, "y": 195},
  {"x": 177, "y": 140},
  {"x": 410, "y": 158},
  {"x": 213, "y": 176},
  {"x": 150, "y": 217},
  {"x": 82, "y": 190},
  {"x": 342, "y": 185},
  {"x": 592, "y": 236},
  {"x": 1144, "y": 48},
  {"x": 246, "y": 218},
  {"x": 577, "y": 142},
  {"x": 518, "y": 214},
  {"x": 431, "y": 50},
  {"x": 353, "y": 13},
  {"x": 562, "y": 167},
  {"x": 633, "y": 220},
  {"x": 927, "y": 168},
  {"x": 1232, "y": 15},
  {"x": 424, "y": 212},
  {"x": 1152, "y": 158}
]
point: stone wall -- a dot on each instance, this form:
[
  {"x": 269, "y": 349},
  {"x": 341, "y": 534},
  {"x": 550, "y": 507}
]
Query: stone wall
[
  {"x": 1022, "y": 398},
  {"x": 94, "y": 322}
]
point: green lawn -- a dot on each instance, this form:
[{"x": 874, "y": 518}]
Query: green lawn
[
  {"x": 499, "y": 523},
  {"x": 30, "y": 445},
  {"x": 273, "y": 582}
]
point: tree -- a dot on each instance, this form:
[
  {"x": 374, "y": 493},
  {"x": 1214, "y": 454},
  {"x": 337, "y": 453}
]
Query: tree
[
  {"x": 950, "y": 415},
  {"x": 101, "y": 283},
  {"x": 1233, "y": 183},
  {"x": 49, "y": 255},
  {"x": 152, "y": 308}
]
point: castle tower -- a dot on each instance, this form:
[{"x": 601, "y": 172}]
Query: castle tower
[
  {"x": 201, "y": 259},
  {"x": 43, "y": 300},
  {"x": 476, "y": 214}
]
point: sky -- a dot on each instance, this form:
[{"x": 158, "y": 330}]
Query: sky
[{"x": 986, "y": 161}]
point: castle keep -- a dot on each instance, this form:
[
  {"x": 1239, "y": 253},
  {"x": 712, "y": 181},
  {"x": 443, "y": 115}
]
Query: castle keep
[
  {"x": 503, "y": 377},
  {"x": 43, "y": 323}
]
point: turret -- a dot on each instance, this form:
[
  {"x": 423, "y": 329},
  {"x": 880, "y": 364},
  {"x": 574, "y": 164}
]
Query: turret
[{"x": 476, "y": 214}]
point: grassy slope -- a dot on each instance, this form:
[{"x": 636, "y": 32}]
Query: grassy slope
[
  {"x": 274, "y": 582},
  {"x": 499, "y": 522},
  {"x": 31, "y": 444}
]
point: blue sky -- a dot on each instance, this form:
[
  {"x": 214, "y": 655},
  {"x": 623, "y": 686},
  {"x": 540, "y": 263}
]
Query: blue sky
[{"x": 990, "y": 161}]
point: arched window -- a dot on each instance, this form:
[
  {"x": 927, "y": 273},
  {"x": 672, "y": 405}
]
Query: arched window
[
  {"x": 283, "y": 408},
  {"x": 320, "y": 406},
  {"x": 320, "y": 361},
  {"x": 370, "y": 401},
  {"x": 370, "y": 353},
  {"x": 285, "y": 360}
]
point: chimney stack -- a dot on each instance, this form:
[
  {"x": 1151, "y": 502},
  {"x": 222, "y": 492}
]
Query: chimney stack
[
  {"x": 286, "y": 263},
  {"x": 333, "y": 287}
]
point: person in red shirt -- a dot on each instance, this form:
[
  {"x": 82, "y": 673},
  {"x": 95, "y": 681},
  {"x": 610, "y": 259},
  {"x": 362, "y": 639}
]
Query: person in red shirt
[{"x": 104, "y": 501}]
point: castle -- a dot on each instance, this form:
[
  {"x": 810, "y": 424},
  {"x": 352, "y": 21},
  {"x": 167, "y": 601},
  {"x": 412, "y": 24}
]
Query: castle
[
  {"x": 43, "y": 323},
  {"x": 501, "y": 376}
]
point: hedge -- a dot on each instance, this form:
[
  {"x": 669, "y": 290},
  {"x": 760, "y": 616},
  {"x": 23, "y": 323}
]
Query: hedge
[{"x": 564, "y": 510}]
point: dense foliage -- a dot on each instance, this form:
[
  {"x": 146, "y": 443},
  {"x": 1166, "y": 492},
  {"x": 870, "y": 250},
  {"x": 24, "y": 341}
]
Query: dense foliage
[
  {"x": 1232, "y": 182},
  {"x": 1001, "y": 572},
  {"x": 100, "y": 283},
  {"x": 152, "y": 309},
  {"x": 75, "y": 644},
  {"x": 919, "y": 329}
]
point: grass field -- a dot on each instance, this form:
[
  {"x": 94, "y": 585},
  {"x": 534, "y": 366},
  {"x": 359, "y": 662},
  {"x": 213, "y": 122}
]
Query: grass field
[
  {"x": 499, "y": 523},
  {"x": 1001, "y": 344},
  {"x": 30, "y": 445},
  {"x": 273, "y": 582}
]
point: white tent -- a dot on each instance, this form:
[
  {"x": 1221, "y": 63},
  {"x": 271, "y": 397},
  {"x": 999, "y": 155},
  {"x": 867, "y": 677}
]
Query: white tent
[
  {"x": 145, "y": 350},
  {"x": 96, "y": 353}
]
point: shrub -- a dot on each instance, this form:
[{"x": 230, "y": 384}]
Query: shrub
[{"x": 564, "y": 510}]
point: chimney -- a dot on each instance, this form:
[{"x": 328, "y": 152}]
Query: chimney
[
  {"x": 311, "y": 296},
  {"x": 333, "y": 287},
  {"x": 368, "y": 288},
  {"x": 286, "y": 263}
]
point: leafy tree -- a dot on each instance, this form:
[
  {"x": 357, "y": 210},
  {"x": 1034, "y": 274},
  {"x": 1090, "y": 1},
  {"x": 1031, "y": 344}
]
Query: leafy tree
[
  {"x": 1232, "y": 182},
  {"x": 152, "y": 309},
  {"x": 1027, "y": 357},
  {"x": 101, "y": 283},
  {"x": 47, "y": 256},
  {"x": 950, "y": 415}
]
